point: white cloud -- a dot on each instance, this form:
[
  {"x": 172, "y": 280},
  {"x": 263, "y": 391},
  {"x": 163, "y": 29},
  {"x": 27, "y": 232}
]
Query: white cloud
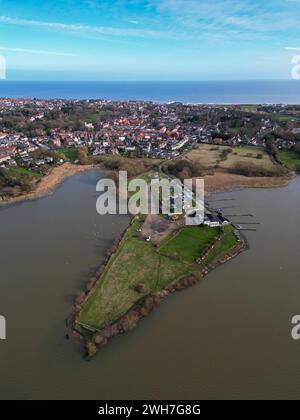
[
  {"x": 41, "y": 52},
  {"x": 187, "y": 20},
  {"x": 103, "y": 30},
  {"x": 292, "y": 49},
  {"x": 235, "y": 14}
]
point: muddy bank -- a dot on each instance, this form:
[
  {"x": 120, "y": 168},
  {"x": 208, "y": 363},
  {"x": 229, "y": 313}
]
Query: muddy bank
[
  {"x": 49, "y": 182},
  {"x": 222, "y": 181}
]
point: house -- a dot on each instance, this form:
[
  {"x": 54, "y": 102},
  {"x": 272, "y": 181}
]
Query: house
[
  {"x": 56, "y": 142},
  {"x": 178, "y": 145},
  {"x": 130, "y": 148},
  {"x": 223, "y": 220},
  {"x": 213, "y": 220},
  {"x": 89, "y": 126},
  {"x": 40, "y": 162},
  {"x": 4, "y": 158}
]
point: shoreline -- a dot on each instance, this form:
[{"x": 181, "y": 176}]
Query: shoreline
[
  {"x": 166, "y": 100},
  {"x": 146, "y": 305},
  {"x": 224, "y": 182},
  {"x": 142, "y": 308},
  {"x": 49, "y": 183},
  {"x": 218, "y": 182}
]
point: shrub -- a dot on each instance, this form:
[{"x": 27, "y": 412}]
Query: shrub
[
  {"x": 80, "y": 298},
  {"x": 141, "y": 288},
  {"x": 83, "y": 155},
  {"x": 297, "y": 148},
  {"x": 133, "y": 167},
  {"x": 185, "y": 169},
  {"x": 99, "y": 339},
  {"x": 250, "y": 169},
  {"x": 224, "y": 154},
  {"x": 91, "y": 349}
]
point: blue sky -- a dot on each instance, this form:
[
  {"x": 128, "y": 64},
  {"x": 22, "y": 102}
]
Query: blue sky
[{"x": 149, "y": 39}]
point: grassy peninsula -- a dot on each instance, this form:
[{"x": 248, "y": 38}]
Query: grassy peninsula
[
  {"x": 157, "y": 257},
  {"x": 139, "y": 269}
]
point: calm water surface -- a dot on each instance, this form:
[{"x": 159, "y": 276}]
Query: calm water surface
[
  {"x": 236, "y": 92},
  {"x": 227, "y": 337}
]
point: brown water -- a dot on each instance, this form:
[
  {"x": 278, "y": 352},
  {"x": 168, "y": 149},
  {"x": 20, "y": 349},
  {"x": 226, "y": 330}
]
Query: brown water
[{"x": 227, "y": 337}]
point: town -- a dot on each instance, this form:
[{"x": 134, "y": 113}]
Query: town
[{"x": 37, "y": 134}]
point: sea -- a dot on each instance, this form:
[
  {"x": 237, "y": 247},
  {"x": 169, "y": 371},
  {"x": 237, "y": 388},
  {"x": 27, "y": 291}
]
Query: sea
[{"x": 202, "y": 92}]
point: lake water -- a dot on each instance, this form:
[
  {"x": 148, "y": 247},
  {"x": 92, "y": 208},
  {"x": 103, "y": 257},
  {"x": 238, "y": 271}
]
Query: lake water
[
  {"x": 236, "y": 92},
  {"x": 227, "y": 337}
]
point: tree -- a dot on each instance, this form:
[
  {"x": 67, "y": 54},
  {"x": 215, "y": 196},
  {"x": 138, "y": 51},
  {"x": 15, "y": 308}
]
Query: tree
[
  {"x": 91, "y": 349},
  {"x": 271, "y": 147},
  {"x": 83, "y": 155},
  {"x": 63, "y": 157},
  {"x": 297, "y": 148}
]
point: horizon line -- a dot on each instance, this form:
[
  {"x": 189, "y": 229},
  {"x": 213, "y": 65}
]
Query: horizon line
[{"x": 148, "y": 81}]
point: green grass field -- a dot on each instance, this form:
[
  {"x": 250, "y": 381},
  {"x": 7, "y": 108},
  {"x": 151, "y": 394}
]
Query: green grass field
[
  {"x": 228, "y": 241},
  {"x": 139, "y": 262},
  {"x": 290, "y": 159},
  {"x": 249, "y": 108},
  {"x": 284, "y": 117},
  {"x": 18, "y": 171},
  {"x": 189, "y": 242},
  {"x": 98, "y": 116},
  {"x": 71, "y": 153},
  {"x": 17, "y": 175}
]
